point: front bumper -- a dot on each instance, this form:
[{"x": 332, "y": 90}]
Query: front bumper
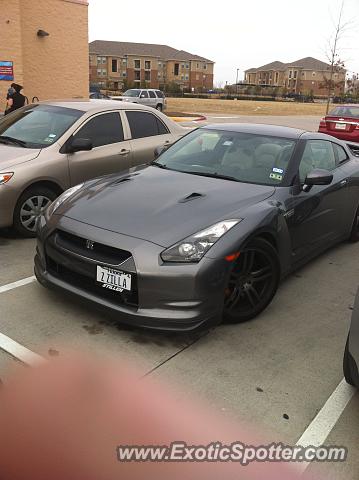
[{"x": 166, "y": 296}]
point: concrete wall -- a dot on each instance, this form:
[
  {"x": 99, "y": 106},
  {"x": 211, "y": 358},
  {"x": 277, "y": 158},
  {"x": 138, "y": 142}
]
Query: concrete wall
[{"x": 50, "y": 67}]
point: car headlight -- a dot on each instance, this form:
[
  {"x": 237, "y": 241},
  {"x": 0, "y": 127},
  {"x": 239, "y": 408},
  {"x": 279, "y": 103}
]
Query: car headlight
[
  {"x": 194, "y": 247},
  {"x": 5, "y": 177},
  {"x": 59, "y": 200}
]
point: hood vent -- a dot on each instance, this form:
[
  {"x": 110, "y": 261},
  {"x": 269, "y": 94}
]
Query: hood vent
[{"x": 190, "y": 197}]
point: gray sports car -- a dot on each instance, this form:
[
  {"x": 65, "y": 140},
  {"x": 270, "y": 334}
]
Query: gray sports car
[{"x": 207, "y": 230}]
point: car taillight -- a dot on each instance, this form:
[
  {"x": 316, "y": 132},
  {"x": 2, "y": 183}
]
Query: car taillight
[{"x": 322, "y": 122}]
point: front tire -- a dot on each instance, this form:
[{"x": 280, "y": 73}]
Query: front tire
[
  {"x": 29, "y": 207},
  {"x": 159, "y": 107},
  {"x": 253, "y": 282},
  {"x": 349, "y": 365},
  {"x": 354, "y": 235}
]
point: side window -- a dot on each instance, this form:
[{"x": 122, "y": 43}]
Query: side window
[
  {"x": 103, "y": 129},
  {"x": 144, "y": 94},
  {"x": 317, "y": 154},
  {"x": 340, "y": 153},
  {"x": 159, "y": 94},
  {"x": 144, "y": 124},
  {"x": 152, "y": 94}
]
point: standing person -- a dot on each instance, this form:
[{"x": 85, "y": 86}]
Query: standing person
[
  {"x": 16, "y": 100},
  {"x": 10, "y": 93}
]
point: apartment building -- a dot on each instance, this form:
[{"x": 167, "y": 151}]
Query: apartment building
[
  {"x": 119, "y": 65},
  {"x": 36, "y": 40},
  {"x": 305, "y": 76}
]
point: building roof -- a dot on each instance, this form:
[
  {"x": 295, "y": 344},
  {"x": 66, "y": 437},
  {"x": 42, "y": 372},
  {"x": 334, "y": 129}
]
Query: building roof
[
  {"x": 120, "y": 49},
  {"x": 306, "y": 63}
]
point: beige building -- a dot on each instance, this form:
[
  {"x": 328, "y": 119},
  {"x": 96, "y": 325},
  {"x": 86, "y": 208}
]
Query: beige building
[
  {"x": 47, "y": 43},
  {"x": 305, "y": 76},
  {"x": 121, "y": 65}
]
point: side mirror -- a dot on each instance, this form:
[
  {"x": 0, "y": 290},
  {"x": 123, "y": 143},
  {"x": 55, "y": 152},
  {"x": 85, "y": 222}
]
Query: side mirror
[
  {"x": 80, "y": 145},
  {"x": 161, "y": 148},
  {"x": 317, "y": 176}
]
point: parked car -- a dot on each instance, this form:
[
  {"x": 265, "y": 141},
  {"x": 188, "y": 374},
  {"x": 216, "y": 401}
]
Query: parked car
[
  {"x": 208, "y": 230},
  {"x": 46, "y": 148},
  {"x": 150, "y": 97},
  {"x": 342, "y": 122},
  {"x": 351, "y": 352},
  {"x": 99, "y": 96}
]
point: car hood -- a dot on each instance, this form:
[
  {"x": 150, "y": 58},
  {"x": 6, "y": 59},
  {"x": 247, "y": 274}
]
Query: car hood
[
  {"x": 160, "y": 206},
  {"x": 11, "y": 155}
]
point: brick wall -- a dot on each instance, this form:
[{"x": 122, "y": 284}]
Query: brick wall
[{"x": 51, "y": 67}]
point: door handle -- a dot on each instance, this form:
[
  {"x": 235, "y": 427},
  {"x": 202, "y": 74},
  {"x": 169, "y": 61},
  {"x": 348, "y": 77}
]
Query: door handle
[
  {"x": 343, "y": 182},
  {"x": 124, "y": 152}
]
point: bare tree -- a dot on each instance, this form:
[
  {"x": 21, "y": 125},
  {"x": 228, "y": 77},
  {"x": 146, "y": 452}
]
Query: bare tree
[{"x": 336, "y": 63}]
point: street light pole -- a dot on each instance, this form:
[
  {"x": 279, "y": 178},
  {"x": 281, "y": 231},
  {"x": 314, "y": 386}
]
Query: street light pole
[{"x": 237, "y": 82}]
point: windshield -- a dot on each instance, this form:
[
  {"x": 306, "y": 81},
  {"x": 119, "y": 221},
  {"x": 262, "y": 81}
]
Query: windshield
[
  {"x": 132, "y": 93},
  {"x": 238, "y": 156},
  {"x": 345, "y": 111},
  {"x": 38, "y": 126}
]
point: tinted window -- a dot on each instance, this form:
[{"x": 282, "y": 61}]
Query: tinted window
[
  {"x": 345, "y": 111},
  {"x": 152, "y": 94},
  {"x": 144, "y": 94},
  {"x": 317, "y": 154},
  {"x": 242, "y": 156},
  {"x": 144, "y": 124},
  {"x": 159, "y": 94},
  {"x": 102, "y": 130},
  {"x": 340, "y": 153},
  {"x": 132, "y": 93}
]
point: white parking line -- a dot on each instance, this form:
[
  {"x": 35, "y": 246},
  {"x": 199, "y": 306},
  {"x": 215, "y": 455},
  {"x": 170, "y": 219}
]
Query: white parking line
[
  {"x": 324, "y": 422},
  {"x": 20, "y": 283},
  {"x": 19, "y": 351}
]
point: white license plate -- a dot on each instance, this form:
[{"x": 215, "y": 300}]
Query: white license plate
[
  {"x": 113, "y": 279},
  {"x": 340, "y": 126}
]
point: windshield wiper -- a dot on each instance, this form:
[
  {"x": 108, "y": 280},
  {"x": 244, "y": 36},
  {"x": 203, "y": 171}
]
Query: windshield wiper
[
  {"x": 16, "y": 141},
  {"x": 214, "y": 175},
  {"x": 159, "y": 165}
]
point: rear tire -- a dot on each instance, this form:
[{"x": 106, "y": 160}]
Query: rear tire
[
  {"x": 354, "y": 235},
  {"x": 349, "y": 365},
  {"x": 159, "y": 107},
  {"x": 253, "y": 282},
  {"x": 29, "y": 207}
]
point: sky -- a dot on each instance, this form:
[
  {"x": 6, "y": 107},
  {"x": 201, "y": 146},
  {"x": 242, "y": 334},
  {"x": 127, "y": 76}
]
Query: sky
[{"x": 235, "y": 34}]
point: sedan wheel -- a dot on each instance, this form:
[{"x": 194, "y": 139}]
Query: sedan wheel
[
  {"x": 253, "y": 282},
  {"x": 29, "y": 207}
]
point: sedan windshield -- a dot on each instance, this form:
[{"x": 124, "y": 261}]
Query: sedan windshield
[
  {"x": 237, "y": 156},
  {"x": 132, "y": 93},
  {"x": 345, "y": 111},
  {"x": 37, "y": 126}
]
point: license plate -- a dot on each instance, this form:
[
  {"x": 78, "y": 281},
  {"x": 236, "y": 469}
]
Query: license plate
[
  {"x": 113, "y": 279},
  {"x": 340, "y": 126}
]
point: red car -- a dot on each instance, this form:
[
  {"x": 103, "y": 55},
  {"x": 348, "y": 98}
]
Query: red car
[{"x": 342, "y": 122}]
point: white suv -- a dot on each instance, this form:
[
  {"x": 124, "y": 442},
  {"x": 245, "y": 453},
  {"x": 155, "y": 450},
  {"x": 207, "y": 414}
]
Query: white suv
[{"x": 146, "y": 96}]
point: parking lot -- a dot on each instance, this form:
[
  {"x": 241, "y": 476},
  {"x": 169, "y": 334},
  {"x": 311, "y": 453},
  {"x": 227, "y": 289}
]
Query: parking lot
[{"x": 276, "y": 372}]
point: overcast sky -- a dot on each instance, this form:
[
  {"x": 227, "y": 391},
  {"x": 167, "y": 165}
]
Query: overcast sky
[{"x": 233, "y": 33}]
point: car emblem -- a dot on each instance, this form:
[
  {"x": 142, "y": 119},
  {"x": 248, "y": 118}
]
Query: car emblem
[{"x": 90, "y": 244}]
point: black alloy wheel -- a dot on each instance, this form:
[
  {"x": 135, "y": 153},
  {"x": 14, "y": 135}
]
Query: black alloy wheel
[{"x": 253, "y": 281}]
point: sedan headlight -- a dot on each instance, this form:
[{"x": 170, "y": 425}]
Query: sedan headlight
[
  {"x": 5, "y": 177},
  {"x": 194, "y": 247},
  {"x": 59, "y": 200}
]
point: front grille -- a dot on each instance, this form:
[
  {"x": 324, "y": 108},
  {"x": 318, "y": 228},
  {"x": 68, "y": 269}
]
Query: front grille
[{"x": 99, "y": 252}]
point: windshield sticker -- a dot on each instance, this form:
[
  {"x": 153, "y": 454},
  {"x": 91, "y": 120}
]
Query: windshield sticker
[
  {"x": 276, "y": 176},
  {"x": 227, "y": 143},
  {"x": 49, "y": 140},
  {"x": 53, "y": 135},
  {"x": 277, "y": 170}
]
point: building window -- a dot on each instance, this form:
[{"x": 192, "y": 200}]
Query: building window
[
  {"x": 182, "y": 77},
  {"x": 295, "y": 74},
  {"x": 176, "y": 71},
  {"x": 313, "y": 74},
  {"x": 137, "y": 75},
  {"x": 159, "y": 74},
  {"x": 104, "y": 72},
  {"x": 147, "y": 65},
  {"x": 290, "y": 73},
  {"x": 187, "y": 65},
  {"x": 148, "y": 76},
  {"x": 99, "y": 71},
  {"x": 124, "y": 74},
  {"x": 137, "y": 63},
  {"x": 303, "y": 74},
  {"x": 204, "y": 66},
  {"x": 103, "y": 59},
  {"x": 186, "y": 77},
  {"x": 182, "y": 65},
  {"x": 160, "y": 64},
  {"x": 197, "y": 65},
  {"x": 124, "y": 61},
  {"x": 114, "y": 66}
]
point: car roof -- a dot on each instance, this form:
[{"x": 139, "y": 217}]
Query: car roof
[
  {"x": 259, "y": 129},
  {"x": 95, "y": 105}
]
